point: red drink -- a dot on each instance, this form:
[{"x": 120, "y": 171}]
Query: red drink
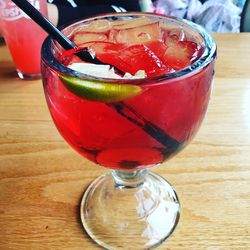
[
  {"x": 129, "y": 124},
  {"x": 146, "y": 129},
  {"x": 23, "y": 37}
]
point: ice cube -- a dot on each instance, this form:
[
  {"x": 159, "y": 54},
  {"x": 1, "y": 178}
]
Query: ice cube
[
  {"x": 132, "y": 23},
  {"x": 138, "y": 35},
  {"x": 98, "y": 26},
  {"x": 174, "y": 35},
  {"x": 84, "y": 37}
]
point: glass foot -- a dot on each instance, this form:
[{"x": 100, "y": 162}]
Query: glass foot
[
  {"x": 24, "y": 76},
  {"x": 118, "y": 216}
]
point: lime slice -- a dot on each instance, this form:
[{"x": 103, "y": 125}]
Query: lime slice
[{"x": 100, "y": 92}]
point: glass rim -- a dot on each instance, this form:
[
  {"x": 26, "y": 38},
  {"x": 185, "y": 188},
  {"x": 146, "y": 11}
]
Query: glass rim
[{"x": 208, "y": 55}]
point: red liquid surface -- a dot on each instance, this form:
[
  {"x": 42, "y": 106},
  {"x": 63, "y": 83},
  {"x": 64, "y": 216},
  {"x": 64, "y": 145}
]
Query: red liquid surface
[{"x": 119, "y": 135}]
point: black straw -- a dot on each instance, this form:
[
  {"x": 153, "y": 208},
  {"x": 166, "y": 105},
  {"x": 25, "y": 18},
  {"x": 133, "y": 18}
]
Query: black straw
[
  {"x": 42, "y": 21},
  {"x": 171, "y": 145},
  {"x": 56, "y": 34}
]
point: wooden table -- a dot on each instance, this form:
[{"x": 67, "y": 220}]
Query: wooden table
[{"x": 42, "y": 179}]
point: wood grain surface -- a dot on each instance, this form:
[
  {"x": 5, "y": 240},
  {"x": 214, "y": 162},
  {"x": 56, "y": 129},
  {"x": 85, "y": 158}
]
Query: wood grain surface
[{"x": 42, "y": 179}]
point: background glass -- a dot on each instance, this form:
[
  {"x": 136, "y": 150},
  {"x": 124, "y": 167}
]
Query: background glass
[{"x": 23, "y": 37}]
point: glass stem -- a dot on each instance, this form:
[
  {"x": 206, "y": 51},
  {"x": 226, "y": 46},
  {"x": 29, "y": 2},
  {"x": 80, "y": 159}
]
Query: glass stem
[{"x": 129, "y": 179}]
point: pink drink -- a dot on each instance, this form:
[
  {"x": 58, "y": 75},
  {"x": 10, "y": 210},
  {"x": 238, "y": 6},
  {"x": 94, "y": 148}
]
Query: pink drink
[
  {"x": 23, "y": 37},
  {"x": 147, "y": 129}
]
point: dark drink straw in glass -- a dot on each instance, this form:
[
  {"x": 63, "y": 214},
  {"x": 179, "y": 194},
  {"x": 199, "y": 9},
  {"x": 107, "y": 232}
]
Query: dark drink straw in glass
[
  {"x": 170, "y": 144},
  {"x": 57, "y": 35}
]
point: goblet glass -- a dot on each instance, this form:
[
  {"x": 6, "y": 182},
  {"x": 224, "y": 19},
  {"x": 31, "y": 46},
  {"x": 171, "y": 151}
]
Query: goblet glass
[{"x": 129, "y": 207}]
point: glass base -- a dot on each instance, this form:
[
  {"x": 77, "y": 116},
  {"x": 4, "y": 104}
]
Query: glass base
[
  {"x": 118, "y": 216},
  {"x": 24, "y": 76}
]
